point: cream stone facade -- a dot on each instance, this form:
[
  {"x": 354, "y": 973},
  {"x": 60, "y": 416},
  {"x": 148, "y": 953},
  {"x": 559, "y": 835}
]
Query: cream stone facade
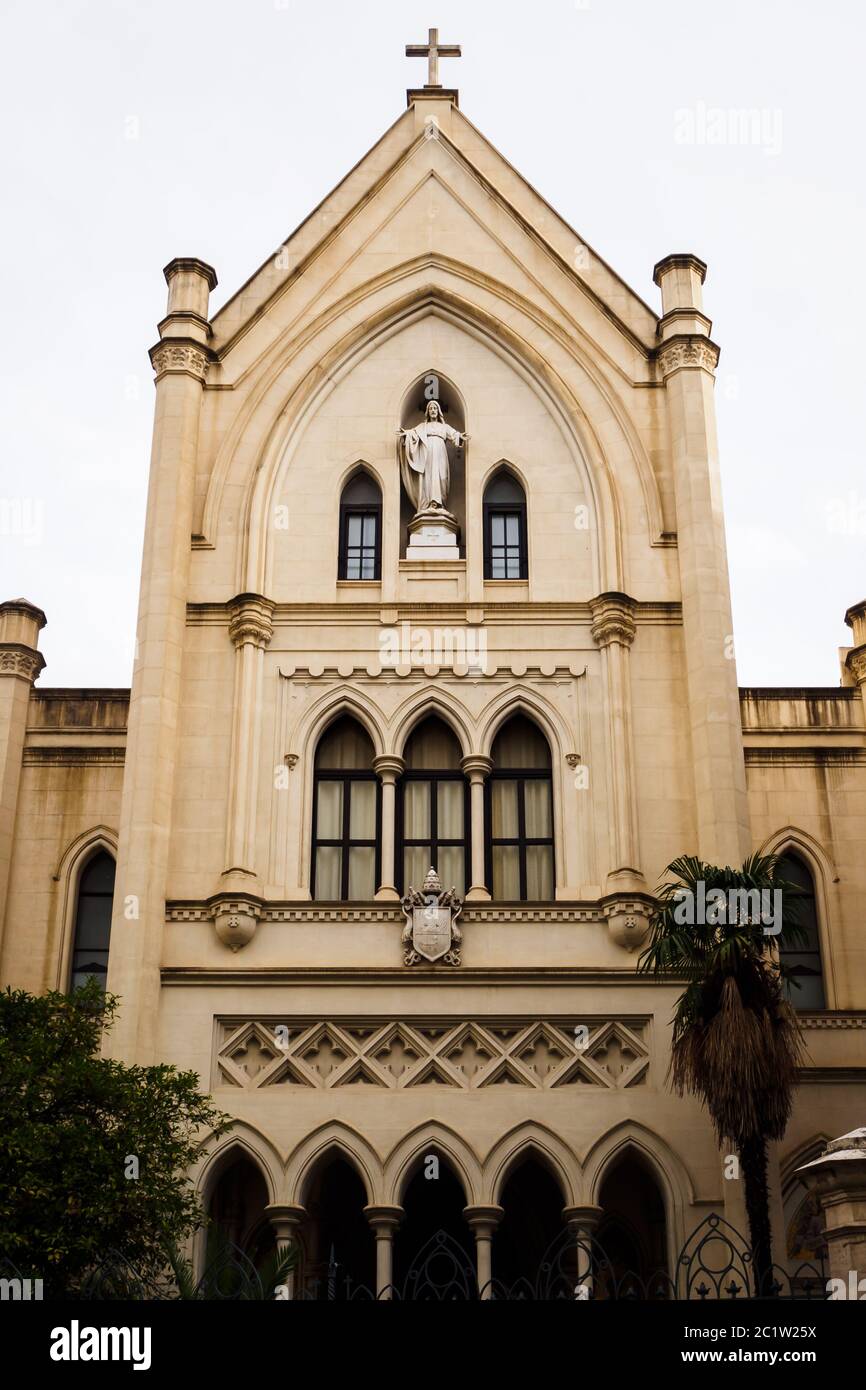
[{"x": 538, "y": 1064}]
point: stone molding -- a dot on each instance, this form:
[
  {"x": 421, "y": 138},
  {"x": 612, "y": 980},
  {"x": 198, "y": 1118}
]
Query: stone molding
[
  {"x": 680, "y": 260},
  {"x": 613, "y": 620},
  {"x": 21, "y": 661},
  {"x": 476, "y": 764},
  {"x": 832, "y": 1020},
  {"x": 176, "y": 356},
  {"x": 310, "y": 913},
  {"x": 251, "y": 620},
  {"x": 802, "y": 755},
  {"x": 389, "y": 766},
  {"x": 687, "y": 350},
  {"x": 74, "y": 756},
  {"x": 856, "y": 663}
]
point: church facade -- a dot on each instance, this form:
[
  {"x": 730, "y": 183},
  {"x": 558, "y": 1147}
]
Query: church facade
[{"x": 434, "y": 576}]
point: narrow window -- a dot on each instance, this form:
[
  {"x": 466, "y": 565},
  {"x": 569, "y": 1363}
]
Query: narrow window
[
  {"x": 93, "y": 921},
  {"x": 360, "y": 529},
  {"x": 504, "y": 528},
  {"x": 804, "y": 960}
]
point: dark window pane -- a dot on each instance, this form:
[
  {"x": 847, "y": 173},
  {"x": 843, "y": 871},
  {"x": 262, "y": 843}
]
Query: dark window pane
[
  {"x": 98, "y": 876},
  {"x": 93, "y": 920}
]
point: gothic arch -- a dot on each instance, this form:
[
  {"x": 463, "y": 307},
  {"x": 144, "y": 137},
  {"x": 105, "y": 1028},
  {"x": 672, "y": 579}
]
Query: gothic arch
[
  {"x": 281, "y": 415},
  {"x": 536, "y": 1141},
  {"x": 242, "y": 1140},
  {"x": 519, "y": 700},
  {"x": 505, "y": 465},
  {"x": 351, "y": 471},
  {"x": 329, "y": 707},
  {"x": 586, "y": 448},
  {"x": 440, "y": 376},
  {"x": 67, "y": 875},
  {"x": 417, "y": 707},
  {"x": 333, "y": 1137},
  {"x": 820, "y": 865},
  {"x": 435, "y": 1138},
  {"x": 668, "y": 1170}
]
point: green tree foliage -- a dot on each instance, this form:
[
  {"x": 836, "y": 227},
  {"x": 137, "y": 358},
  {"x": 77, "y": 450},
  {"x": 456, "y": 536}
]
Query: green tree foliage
[{"x": 94, "y": 1154}]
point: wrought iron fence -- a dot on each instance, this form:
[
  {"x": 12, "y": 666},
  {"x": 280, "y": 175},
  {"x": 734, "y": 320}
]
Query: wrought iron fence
[{"x": 714, "y": 1263}]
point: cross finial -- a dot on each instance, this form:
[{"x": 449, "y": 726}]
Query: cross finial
[{"x": 433, "y": 50}]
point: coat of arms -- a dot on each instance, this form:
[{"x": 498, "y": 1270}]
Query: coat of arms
[{"x": 431, "y": 932}]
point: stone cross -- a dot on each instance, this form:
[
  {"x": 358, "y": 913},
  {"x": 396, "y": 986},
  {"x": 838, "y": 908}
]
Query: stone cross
[{"x": 433, "y": 50}]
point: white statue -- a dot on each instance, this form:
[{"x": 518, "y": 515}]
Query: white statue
[{"x": 424, "y": 461}]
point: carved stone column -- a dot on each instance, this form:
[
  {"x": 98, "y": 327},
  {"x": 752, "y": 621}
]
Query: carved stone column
[
  {"x": 180, "y": 362},
  {"x": 582, "y": 1223},
  {"x": 250, "y": 629},
  {"x": 483, "y": 1221},
  {"x": 613, "y": 630},
  {"x": 20, "y": 664},
  {"x": 286, "y": 1221},
  {"x": 384, "y": 1222},
  {"x": 687, "y": 359},
  {"x": 388, "y": 768},
  {"x": 477, "y": 769}
]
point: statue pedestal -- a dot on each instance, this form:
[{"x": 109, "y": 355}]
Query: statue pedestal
[{"x": 433, "y": 536}]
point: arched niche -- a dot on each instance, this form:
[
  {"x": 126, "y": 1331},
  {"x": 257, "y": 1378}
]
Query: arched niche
[{"x": 433, "y": 386}]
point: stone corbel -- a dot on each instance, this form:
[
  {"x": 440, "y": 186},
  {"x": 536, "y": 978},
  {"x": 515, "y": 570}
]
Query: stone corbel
[
  {"x": 251, "y": 620},
  {"x": 235, "y": 918},
  {"x": 627, "y": 918}
]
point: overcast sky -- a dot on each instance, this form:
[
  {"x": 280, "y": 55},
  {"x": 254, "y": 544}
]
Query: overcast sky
[{"x": 136, "y": 131}]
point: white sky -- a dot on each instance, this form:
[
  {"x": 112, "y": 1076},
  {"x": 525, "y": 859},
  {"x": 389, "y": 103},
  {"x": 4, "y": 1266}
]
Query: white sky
[{"x": 247, "y": 112}]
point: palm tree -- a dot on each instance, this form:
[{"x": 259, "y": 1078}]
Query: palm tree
[
  {"x": 229, "y": 1273},
  {"x": 736, "y": 1042}
]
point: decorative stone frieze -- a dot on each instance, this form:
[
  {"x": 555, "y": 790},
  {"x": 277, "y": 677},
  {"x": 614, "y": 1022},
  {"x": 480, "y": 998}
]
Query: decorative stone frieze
[{"x": 610, "y": 1054}]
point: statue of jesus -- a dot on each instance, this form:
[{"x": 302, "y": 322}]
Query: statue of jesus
[{"x": 424, "y": 459}]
